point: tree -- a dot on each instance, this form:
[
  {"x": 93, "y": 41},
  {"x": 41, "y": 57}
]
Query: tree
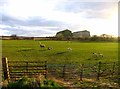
[
  {"x": 67, "y": 34},
  {"x": 14, "y": 36},
  {"x": 94, "y": 38},
  {"x": 60, "y": 36}
]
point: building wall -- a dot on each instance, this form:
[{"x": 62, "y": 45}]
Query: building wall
[{"x": 81, "y": 34}]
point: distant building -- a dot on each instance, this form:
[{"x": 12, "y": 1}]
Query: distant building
[
  {"x": 6, "y": 37},
  {"x": 83, "y": 33},
  {"x": 106, "y": 36}
]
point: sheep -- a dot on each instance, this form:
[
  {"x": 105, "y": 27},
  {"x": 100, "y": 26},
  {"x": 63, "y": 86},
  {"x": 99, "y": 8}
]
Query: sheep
[
  {"x": 97, "y": 55},
  {"x": 41, "y": 45},
  {"x": 69, "y": 49},
  {"x": 50, "y": 48},
  {"x": 100, "y": 55}
]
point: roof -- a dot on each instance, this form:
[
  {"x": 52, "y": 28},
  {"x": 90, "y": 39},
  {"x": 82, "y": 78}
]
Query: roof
[{"x": 81, "y": 31}]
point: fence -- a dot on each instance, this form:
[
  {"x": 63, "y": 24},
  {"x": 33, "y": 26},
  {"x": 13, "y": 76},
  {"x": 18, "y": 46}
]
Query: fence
[
  {"x": 83, "y": 71},
  {"x": 68, "y": 72},
  {"x": 13, "y": 70}
]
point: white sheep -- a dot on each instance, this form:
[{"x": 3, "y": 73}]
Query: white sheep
[
  {"x": 69, "y": 49},
  {"x": 41, "y": 45},
  {"x": 50, "y": 48},
  {"x": 95, "y": 55},
  {"x": 100, "y": 55}
]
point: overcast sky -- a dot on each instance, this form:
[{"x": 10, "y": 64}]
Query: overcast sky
[{"x": 46, "y": 17}]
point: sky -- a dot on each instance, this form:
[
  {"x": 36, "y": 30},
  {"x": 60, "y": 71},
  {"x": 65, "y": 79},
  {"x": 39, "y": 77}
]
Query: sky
[{"x": 45, "y": 18}]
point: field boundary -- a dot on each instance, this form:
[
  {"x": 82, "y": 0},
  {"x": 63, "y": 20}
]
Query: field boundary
[{"x": 13, "y": 70}]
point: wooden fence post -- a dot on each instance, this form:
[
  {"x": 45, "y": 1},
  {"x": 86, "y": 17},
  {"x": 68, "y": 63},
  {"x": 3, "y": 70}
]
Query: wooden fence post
[
  {"x": 99, "y": 68},
  {"x": 113, "y": 69},
  {"x": 63, "y": 72},
  {"x": 5, "y": 69},
  {"x": 45, "y": 72},
  {"x": 81, "y": 72},
  {"x": 118, "y": 72},
  {"x": 27, "y": 68}
]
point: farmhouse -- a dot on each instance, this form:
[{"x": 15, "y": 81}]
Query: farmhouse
[
  {"x": 83, "y": 33},
  {"x": 106, "y": 36}
]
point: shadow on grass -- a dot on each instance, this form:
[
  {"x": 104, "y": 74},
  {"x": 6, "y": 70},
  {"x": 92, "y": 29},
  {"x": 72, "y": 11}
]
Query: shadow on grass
[
  {"x": 59, "y": 53},
  {"x": 43, "y": 50},
  {"x": 25, "y": 49}
]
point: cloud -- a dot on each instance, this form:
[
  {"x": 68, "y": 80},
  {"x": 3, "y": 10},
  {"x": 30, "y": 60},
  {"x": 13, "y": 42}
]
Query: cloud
[
  {"x": 31, "y": 21},
  {"x": 30, "y": 31},
  {"x": 46, "y": 17},
  {"x": 9, "y": 20},
  {"x": 32, "y": 26},
  {"x": 87, "y": 9},
  {"x": 3, "y": 2}
]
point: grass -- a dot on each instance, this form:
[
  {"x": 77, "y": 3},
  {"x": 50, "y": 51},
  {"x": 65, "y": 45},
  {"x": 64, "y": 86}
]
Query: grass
[
  {"x": 32, "y": 83},
  {"x": 81, "y": 51},
  {"x": 29, "y": 50}
]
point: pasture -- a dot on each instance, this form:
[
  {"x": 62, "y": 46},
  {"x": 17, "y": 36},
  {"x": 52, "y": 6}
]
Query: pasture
[{"x": 82, "y": 52}]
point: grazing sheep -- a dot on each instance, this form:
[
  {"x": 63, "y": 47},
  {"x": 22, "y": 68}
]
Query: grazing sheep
[
  {"x": 69, "y": 49},
  {"x": 42, "y": 45},
  {"x": 50, "y": 48},
  {"x": 97, "y": 56},
  {"x": 100, "y": 55}
]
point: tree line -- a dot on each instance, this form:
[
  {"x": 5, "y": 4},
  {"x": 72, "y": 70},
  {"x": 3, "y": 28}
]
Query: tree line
[{"x": 68, "y": 35}]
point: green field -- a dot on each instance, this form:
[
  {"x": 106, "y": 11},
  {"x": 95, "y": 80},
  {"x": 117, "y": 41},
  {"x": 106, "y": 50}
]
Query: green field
[{"x": 81, "y": 51}]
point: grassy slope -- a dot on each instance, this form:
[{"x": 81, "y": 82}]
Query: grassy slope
[{"x": 30, "y": 50}]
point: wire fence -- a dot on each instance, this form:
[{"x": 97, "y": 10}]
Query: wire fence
[
  {"x": 79, "y": 72},
  {"x": 13, "y": 70}
]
